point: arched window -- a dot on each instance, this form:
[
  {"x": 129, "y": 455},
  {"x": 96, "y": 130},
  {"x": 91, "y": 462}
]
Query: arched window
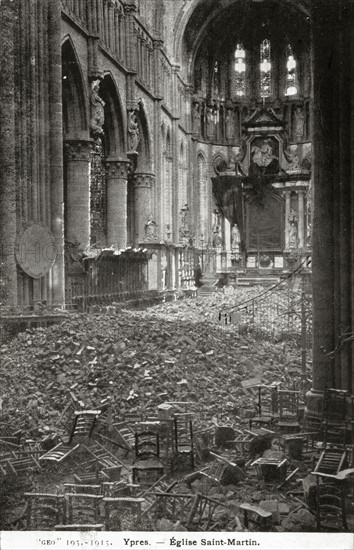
[
  {"x": 265, "y": 68},
  {"x": 203, "y": 197},
  {"x": 240, "y": 70},
  {"x": 291, "y": 77}
]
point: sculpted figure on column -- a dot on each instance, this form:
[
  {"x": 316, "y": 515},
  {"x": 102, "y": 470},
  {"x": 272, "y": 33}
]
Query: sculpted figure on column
[
  {"x": 133, "y": 132},
  {"x": 97, "y": 109}
]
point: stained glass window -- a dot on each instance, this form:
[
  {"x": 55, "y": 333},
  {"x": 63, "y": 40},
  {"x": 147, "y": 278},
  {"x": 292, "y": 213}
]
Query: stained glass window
[
  {"x": 265, "y": 68},
  {"x": 240, "y": 70},
  {"x": 291, "y": 84}
]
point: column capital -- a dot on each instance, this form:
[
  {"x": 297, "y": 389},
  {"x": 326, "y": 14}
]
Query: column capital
[
  {"x": 78, "y": 149},
  {"x": 117, "y": 168},
  {"x": 144, "y": 180}
]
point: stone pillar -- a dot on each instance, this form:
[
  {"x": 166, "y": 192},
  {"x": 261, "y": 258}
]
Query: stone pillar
[
  {"x": 117, "y": 173},
  {"x": 8, "y": 16},
  {"x": 332, "y": 237},
  {"x": 287, "y": 215},
  {"x": 56, "y": 151},
  {"x": 142, "y": 193},
  {"x": 301, "y": 213},
  {"x": 78, "y": 171}
]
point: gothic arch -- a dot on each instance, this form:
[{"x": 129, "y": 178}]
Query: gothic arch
[
  {"x": 144, "y": 163},
  {"x": 114, "y": 124},
  {"x": 74, "y": 91}
]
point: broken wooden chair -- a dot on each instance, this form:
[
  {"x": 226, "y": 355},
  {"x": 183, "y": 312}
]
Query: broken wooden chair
[
  {"x": 266, "y": 406},
  {"x": 335, "y": 424},
  {"x": 287, "y": 418},
  {"x": 82, "y": 429},
  {"x": 161, "y": 486},
  {"x": 332, "y": 460},
  {"x": 184, "y": 441},
  {"x": 172, "y": 506},
  {"x": 331, "y": 509},
  {"x": 117, "y": 508},
  {"x": 147, "y": 467},
  {"x": 255, "y": 518},
  {"x": 207, "y": 514},
  {"x": 83, "y": 508},
  {"x": 22, "y": 468},
  {"x": 67, "y": 416},
  {"x": 44, "y": 511}
]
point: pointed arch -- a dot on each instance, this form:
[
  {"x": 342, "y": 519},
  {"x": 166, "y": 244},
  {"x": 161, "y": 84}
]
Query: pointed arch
[
  {"x": 114, "y": 124},
  {"x": 144, "y": 147},
  {"x": 74, "y": 91}
]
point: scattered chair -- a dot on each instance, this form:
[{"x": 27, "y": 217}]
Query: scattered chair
[
  {"x": 44, "y": 511},
  {"x": 147, "y": 467}
]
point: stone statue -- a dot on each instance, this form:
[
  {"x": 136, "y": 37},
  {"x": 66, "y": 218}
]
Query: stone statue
[
  {"x": 133, "y": 132},
  {"x": 97, "y": 109},
  {"x": 216, "y": 228},
  {"x": 299, "y": 124},
  {"x": 229, "y": 124},
  {"x": 196, "y": 118},
  {"x": 150, "y": 229},
  {"x": 293, "y": 231},
  {"x": 235, "y": 237},
  {"x": 209, "y": 122}
]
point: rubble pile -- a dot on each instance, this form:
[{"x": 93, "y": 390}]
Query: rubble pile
[{"x": 173, "y": 352}]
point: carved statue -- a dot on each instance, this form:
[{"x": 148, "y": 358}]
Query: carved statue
[
  {"x": 299, "y": 124},
  {"x": 97, "y": 109},
  {"x": 229, "y": 124},
  {"x": 209, "y": 122},
  {"x": 293, "y": 231},
  {"x": 235, "y": 237},
  {"x": 133, "y": 132},
  {"x": 196, "y": 118},
  {"x": 150, "y": 229},
  {"x": 216, "y": 228}
]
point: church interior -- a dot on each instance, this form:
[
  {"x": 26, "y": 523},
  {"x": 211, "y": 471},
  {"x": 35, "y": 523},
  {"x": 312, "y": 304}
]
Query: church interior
[{"x": 173, "y": 172}]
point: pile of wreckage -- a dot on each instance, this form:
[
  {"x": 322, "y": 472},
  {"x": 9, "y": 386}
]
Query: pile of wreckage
[{"x": 274, "y": 469}]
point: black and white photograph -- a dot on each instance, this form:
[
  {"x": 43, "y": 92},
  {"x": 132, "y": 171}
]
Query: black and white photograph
[{"x": 176, "y": 274}]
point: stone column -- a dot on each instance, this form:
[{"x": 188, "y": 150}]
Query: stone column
[
  {"x": 117, "y": 173},
  {"x": 287, "y": 215},
  {"x": 142, "y": 193},
  {"x": 332, "y": 238},
  {"x": 301, "y": 213},
  {"x": 78, "y": 171},
  {"x": 57, "y": 285},
  {"x": 8, "y": 16}
]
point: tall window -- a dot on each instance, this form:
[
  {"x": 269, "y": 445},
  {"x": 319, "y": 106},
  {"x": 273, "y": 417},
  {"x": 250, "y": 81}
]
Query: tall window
[
  {"x": 291, "y": 84},
  {"x": 216, "y": 79},
  {"x": 265, "y": 67},
  {"x": 240, "y": 70}
]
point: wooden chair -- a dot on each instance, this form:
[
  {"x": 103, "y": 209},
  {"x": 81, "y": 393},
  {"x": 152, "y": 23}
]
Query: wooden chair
[
  {"x": 147, "y": 467},
  {"x": 207, "y": 514},
  {"x": 266, "y": 407},
  {"x": 331, "y": 490},
  {"x": 287, "y": 411},
  {"x": 116, "y": 509},
  {"x": 84, "y": 423},
  {"x": 67, "y": 416},
  {"x": 44, "y": 511},
  {"x": 80, "y": 527},
  {"x": 22, "y": 468},
  {"x": 335, "y": 424},
  {"x": 332, "y": 460},
  {"x": 184, "y": 441},
  {"x": 83, "y": 508},
  {"x": 255, "y": 517},
  {"x": 172, "y": 506}
]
